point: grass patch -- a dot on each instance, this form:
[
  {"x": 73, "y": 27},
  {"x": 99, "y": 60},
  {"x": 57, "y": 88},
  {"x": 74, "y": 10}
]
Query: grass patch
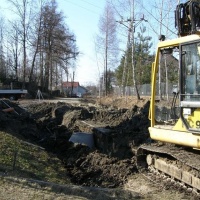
[{"x": 21, "y": 159}]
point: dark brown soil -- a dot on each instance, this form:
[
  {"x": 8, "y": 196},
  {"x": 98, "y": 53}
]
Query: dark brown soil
[
  {"x": 50, "y": 125},
  {"x": 119, "y": 126}
]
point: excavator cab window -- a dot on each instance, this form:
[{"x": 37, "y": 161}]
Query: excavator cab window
[
  {"x": 190, "y": 85},
  {"x": 190, "y": 72},
  {"x": 166, "y": 71}
]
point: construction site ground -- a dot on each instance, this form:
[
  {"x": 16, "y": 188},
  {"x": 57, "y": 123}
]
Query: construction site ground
[{"x": 38, "y": 161}]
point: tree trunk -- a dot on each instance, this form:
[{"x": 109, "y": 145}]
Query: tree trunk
[{"x": 133, "y": 51}]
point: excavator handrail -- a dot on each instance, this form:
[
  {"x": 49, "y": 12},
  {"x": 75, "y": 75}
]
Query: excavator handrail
[{"x": 190, "y": 104}]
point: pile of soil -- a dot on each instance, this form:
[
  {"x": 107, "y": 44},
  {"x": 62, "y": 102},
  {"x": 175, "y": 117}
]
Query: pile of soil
[{"x": 50, "y": 125}]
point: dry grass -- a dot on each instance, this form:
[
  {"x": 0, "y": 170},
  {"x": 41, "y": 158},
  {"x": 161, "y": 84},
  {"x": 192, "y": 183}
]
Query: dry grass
[
  {"x": 22, "y": 159},
  {"x": 23, "y": 190},
  {"x": 122, "y": 102}
]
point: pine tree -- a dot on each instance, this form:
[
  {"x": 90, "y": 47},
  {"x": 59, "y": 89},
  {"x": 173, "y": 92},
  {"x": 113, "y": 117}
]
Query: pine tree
[{"x": 143, "y": 61}]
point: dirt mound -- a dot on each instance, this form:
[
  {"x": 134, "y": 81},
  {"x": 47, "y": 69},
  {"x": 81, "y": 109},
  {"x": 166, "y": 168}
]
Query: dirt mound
[
  {"x": 99, "y": 169},
  {"x": 122, "y": 102},
  {"x": 50, "y": 125}
]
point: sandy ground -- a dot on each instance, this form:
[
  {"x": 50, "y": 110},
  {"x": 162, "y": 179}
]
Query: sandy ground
[{"x": 138, "y": 187}]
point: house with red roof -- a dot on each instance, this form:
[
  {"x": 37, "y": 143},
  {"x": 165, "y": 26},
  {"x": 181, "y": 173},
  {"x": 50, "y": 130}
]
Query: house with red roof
[{"x": 73, "y": 89}]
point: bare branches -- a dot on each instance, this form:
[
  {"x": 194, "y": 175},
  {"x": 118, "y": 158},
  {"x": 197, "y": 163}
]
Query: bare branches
[
  {"x": 107, "y": 43},
  {"x": 40, "y": 44}
]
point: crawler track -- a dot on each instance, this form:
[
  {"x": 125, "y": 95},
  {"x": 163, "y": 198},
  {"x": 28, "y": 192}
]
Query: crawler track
[{"x": 178, "y": 164}]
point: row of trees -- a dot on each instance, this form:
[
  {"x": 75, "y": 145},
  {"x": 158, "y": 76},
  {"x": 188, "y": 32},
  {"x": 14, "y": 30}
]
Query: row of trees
[
  {"x": 136, "y": 60},
  {"x": 38, "y": 46}
]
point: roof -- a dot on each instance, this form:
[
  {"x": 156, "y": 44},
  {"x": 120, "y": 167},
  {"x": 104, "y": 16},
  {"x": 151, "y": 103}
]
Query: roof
[
  {"x": 83, "y": 88},
  {"x": 70, "y": 84}
]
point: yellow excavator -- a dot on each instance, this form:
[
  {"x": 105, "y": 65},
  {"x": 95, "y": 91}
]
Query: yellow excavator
[{"x": 177, "y": 154}]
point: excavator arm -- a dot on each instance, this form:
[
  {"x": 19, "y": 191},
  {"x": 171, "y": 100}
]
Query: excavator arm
[{"x": 187, "y": 18}]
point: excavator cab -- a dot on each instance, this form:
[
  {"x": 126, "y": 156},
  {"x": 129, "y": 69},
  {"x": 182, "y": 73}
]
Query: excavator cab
[
  {"x": 181, "y": 124},
  {"x": 176, "y": 155}
]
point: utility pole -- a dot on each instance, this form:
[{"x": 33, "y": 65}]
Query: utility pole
[
  {"x": 133, "y": 51},
  {"x": 106, "y": 65},
  {"x": 131, "y": 28},
  {"x": 123, "y": 84}
]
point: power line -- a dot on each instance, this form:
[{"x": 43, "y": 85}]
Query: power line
[
  {"x": 157, "y": 19},
  {"x": 81, "y": 7},
  {"x": 91, "y": 4}
]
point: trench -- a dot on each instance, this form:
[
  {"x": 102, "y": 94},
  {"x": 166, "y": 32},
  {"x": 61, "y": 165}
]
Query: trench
[{"x": 116, "y": 133}]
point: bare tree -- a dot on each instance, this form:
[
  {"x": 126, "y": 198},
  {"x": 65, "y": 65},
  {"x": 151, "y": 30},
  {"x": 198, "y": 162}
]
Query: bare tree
[
  {"x": 161, "y": 13},
  {"x": 57, "y": 44},
  {"x": 35, "y": 37},
  {"x": 13, "y": 47},
  {"x": 130, "y": 8},
  {"x": 22, "y": 8},
  {"x": 107, "y": 41},
  {"x": 3, "y": 71},
  {"x": 48, "y": 48}
]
